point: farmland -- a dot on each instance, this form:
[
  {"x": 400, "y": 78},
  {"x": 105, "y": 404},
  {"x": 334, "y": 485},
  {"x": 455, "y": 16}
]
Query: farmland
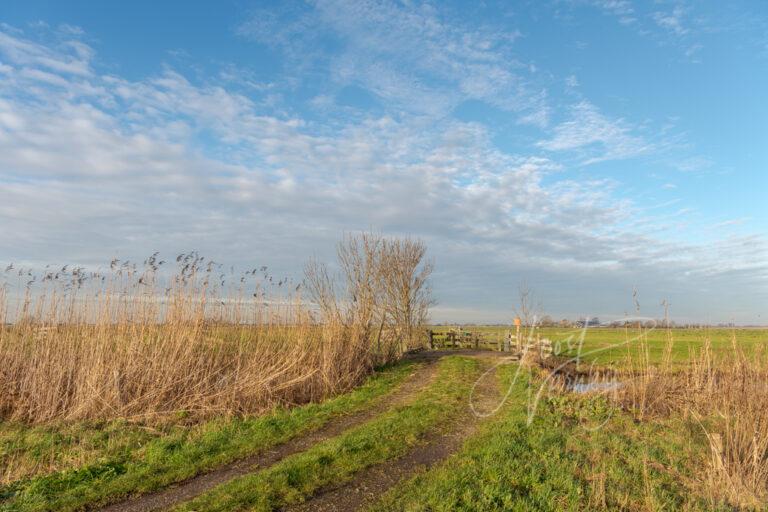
[
  {"x": 612, "y": 346},
  {"x": 208, "y": 400}
]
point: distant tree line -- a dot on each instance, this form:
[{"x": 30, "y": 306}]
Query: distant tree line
[{"x": 548, "y": 321}]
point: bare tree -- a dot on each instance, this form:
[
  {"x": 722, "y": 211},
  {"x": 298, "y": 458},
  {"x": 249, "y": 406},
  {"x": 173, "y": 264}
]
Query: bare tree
[
  {"x": 387, "y": 293},
  {"x": 547, "y": 321},
  {"x": 405, "y": 280},
  {"x": 528, "y": 309}
]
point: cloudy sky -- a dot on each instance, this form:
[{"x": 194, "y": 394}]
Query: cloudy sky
[{"x": 586, "y": 147}]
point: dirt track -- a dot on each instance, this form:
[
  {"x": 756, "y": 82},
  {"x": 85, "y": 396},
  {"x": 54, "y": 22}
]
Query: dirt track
[{"x": 368, "y": 484}]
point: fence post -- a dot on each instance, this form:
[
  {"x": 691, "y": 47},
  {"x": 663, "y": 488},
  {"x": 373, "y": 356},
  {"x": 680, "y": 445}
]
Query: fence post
[{"x": 430, "y": 339}]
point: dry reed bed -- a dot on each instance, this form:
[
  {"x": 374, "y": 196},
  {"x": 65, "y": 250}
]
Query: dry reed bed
[
  {"x": 141, "y": 343},
  {"x": 133, "y": 364},
  {"x": 727, "y": 397},
  {"x": 76, "y": 372}
]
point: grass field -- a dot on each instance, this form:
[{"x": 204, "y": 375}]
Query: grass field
[{"x": 605, "y": 345}]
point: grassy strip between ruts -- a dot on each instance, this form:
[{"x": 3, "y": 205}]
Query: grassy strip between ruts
[
  {"x": 337, "y": 460},
  {"x": 579, "y": 453},
  {"x": 184, "y": 453}
]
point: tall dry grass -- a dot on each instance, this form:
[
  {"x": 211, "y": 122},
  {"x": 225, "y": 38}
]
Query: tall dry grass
[
  {"x": 139, "y": 342},
  {"x": 727, "y": 396}
]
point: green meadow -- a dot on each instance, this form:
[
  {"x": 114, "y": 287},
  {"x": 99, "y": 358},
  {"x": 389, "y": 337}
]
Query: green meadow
[{"x": 617, "y": 346}]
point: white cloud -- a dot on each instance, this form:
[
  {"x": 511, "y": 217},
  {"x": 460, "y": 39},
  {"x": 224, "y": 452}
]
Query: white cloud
[
  {"x": 667, "y": 22},
  {"x": 694, "y": 164},
  {"x": 730, "y": 222},
  {"x": 622, "y": 9},
  {"x": 408, "y": 55},
  {"x": 595, "y": 136},
  {"x": 671, "y": 21},
  {"x": 26, "y": 53},
  {"x": 94, "y": 166}
]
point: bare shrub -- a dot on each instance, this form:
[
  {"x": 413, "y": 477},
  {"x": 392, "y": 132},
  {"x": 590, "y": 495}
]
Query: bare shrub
[
  {"x": 385, "y": 295},
  {"x": 528, "y": 309}
]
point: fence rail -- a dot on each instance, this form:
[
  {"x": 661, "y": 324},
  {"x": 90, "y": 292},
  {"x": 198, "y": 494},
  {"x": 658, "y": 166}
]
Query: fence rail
[{"x": 497, "y": 341}]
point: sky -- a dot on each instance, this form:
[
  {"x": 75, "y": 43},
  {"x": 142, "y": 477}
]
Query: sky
[{"x": 587, "y": 148}]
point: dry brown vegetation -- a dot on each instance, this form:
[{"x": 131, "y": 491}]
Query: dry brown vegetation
[
  {"x": 727, "y": 396},
  {"x": 140, "y": 342},
  {"x": 387, "y": 294}
]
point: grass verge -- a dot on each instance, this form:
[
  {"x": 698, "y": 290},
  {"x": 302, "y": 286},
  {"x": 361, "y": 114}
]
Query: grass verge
[
  {"x": 579, "y": 453},
  {"x": 122, "y": 468},
  {"x": 337, "y": 460}
]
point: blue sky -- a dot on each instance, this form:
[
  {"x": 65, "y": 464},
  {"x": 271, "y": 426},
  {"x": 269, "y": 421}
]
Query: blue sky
[{"x": 587, "y": 147}]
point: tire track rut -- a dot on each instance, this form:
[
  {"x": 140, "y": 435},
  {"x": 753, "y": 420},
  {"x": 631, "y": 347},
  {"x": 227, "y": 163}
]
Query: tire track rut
[
  {"x": 186, "y": 490},
  {"x": 370, "y": 484}
]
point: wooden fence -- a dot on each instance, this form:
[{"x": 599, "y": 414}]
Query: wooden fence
[{"x": 483, "y": 340}]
